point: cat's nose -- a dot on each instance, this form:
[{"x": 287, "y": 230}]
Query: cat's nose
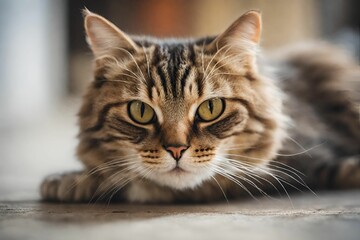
[{"x": 176, "y": 151}]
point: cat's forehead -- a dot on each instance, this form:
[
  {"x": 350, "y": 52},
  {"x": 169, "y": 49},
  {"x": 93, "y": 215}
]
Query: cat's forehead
[{"x": 170, "y": 42}]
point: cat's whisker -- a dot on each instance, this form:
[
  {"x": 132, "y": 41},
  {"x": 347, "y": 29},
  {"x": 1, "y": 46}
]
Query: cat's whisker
[
  {"x": 238, "y": 148},
  {"x": 109, "y": 180},
  {"x": 246, "y": 171},
  {"x": 227, "y": 175},
  {"x": 299, "y": 153},
  {"x": 273, "y": 162},
  {"x": 266, "y": 172},
  {"x": 113, "y": 161},
  {"x": 100, "y": 168},
  {"x": 298, "y": 144},
  {"x": 291, "y": 172},
  {"x": 301, "y": 182},
  {"x": 245, "y": 179},
  {"x": 272, "y": 165},
  {"x": 118, "y": 186},
  {"x": 221, "y": 189}
]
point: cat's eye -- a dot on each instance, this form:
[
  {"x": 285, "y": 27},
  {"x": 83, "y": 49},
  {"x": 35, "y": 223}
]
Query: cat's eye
[
  {"x": 141, "y": 112},
  {"x": 211, "y": 109}
]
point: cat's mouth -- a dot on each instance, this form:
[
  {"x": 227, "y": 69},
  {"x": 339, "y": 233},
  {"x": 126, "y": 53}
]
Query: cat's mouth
[{"x": 177, "y": 170}]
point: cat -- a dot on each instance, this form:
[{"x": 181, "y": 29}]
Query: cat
[{"x": 199, "y": 120}]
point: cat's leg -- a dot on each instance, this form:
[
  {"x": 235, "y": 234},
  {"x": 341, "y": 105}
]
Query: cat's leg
[{"x": 69, "y": 187}]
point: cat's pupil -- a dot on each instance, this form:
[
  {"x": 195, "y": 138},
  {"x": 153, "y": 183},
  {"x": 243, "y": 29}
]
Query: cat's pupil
[
  {"x": 211, "y": 106},
  {"x": 142, "y": 110}
]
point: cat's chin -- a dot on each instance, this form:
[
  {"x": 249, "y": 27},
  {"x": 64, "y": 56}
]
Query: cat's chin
[{"x": 180, "y": 179}]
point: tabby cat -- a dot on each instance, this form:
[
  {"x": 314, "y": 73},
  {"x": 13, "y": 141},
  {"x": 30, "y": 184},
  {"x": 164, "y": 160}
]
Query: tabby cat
[{"x": 195, "y": 120}]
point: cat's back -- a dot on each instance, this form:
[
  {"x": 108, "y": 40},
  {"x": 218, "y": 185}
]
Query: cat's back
[{"x": 322, "y": 87}]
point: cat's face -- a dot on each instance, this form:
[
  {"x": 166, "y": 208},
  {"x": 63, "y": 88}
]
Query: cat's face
[{"x": 170, "y": 110}]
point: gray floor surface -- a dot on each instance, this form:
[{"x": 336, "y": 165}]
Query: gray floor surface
[{"x": 329, "y": 215}]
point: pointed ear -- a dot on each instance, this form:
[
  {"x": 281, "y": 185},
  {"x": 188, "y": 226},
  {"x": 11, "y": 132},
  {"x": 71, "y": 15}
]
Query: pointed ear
[
  {"x": 244, "y": 32},
  {"x": 104, "y": 37}
]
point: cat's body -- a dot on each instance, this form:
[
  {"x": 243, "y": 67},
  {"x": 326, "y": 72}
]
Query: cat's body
[{"x": 200, "y": 120}]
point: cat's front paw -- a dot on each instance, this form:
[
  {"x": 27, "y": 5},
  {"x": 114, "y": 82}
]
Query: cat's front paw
[{"x": 69, "y": 187}]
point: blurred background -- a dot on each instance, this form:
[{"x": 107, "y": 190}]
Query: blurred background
[{"x": 45, "y": 63}]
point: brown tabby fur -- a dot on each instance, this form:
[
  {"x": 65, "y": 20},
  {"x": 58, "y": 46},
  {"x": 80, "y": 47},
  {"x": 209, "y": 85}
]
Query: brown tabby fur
[{"x": 297, "y": 129}]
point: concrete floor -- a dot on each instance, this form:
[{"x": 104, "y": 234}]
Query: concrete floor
[{"x": 330, "y": 215}]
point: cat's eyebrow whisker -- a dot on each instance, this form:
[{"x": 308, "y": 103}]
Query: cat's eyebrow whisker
[
  {"x": 202, "y": 57},
  {"x": 147, "y": 60},
  {"x": 230, "y": 59},
  {"x": 227, "y": 73},
  {"x": 133, "y": 58},
  {"x": 213, "y": 57},
  {"x": 135, "y": 76},
  {"x": 215, "y": 68}
]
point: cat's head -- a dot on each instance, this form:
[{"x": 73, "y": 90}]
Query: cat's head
[{"x": 175, "y": 111}]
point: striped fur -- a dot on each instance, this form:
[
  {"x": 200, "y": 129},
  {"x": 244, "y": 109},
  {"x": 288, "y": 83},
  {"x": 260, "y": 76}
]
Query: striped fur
[{"x": 249, "y": 145}]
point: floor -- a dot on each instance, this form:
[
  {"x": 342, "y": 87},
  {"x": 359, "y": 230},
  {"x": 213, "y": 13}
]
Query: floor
[{"x": 329, "y": 215}]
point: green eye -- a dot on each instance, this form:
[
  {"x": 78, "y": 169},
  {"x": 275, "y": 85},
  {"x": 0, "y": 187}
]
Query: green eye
[
  {"x": 211, "y": 109},
  {"x": 140, "y": 112}
]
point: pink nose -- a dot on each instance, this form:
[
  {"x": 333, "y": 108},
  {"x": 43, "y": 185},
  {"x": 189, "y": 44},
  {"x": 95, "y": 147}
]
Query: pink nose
[{"x": 176, "y": 151}]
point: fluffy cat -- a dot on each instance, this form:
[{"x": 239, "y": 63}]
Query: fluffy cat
[{"x": 168, "y": 120}]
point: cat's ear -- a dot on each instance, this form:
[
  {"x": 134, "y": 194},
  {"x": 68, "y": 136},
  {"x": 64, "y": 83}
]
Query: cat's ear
[
  {"x": 244, "y": 32},
  {"x": 104, "y": 37}
]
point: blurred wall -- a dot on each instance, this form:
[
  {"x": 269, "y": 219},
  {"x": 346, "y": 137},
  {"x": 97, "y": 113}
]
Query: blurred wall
[{"x": 32, "y": 63}]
